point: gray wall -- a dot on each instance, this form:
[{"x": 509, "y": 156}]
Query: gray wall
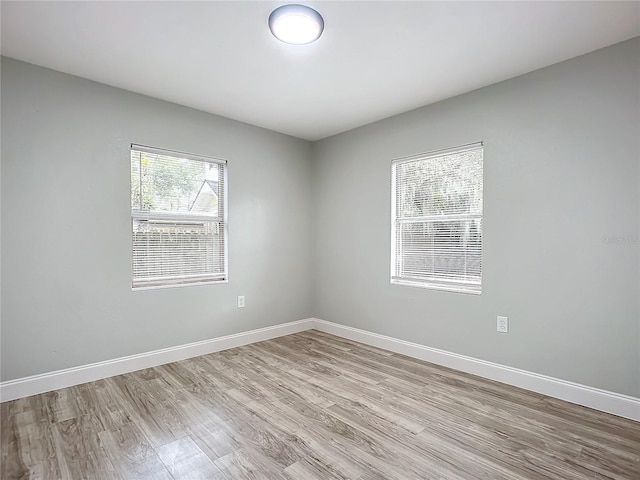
[
  {"x": 66, "y": 243},
  {"x": 561, "y": 190}
]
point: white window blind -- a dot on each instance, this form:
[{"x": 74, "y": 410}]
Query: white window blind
[
  {"x": 178, "y": 218},
  {"x": 436, "y": 238}
]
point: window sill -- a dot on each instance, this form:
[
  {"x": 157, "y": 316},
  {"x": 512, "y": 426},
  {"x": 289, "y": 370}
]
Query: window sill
[
  {"x": 438, "y": 286},
  {"x": 178, "y": 285}
]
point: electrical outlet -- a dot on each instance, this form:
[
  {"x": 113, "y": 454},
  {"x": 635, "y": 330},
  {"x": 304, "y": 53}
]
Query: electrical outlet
[
  {"x": 240, "y": 301},
  {"x": 503, "y": 324}
]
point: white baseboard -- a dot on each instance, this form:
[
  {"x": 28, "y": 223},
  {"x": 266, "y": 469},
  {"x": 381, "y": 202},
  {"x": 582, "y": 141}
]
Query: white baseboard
[
  {"x": 610, "y": 402},
  {"x": 603, "y": 400},
  {"x": 46, "y": 382}
]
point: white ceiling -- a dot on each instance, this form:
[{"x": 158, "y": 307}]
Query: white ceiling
[{"x": 375, "y": 59}]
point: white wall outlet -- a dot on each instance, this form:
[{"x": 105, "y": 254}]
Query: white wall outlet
[
  {"x": 503, "y": 324},
  {"x": 240, "y": 301}
]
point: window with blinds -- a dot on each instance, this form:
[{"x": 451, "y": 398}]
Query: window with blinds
[
  {"x": 178, "y": 218},
  {"x": 436, "y": 239}
]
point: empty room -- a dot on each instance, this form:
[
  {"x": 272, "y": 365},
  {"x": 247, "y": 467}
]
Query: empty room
[{"x": 357, "y": 240}]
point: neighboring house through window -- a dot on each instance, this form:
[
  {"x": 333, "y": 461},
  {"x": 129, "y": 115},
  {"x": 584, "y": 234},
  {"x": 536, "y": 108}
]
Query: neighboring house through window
[
  {"x": 178, "y": 218},
  {"x": 436, "y": 239}
]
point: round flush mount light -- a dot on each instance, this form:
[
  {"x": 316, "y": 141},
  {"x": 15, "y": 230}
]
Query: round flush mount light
[{"x": 296, "y": 24}]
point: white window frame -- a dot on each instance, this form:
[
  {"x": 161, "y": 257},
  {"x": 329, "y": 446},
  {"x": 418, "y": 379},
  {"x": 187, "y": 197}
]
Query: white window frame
[
  {"x": 137, "y": 214},
  {"x": 435, "y": 283}
]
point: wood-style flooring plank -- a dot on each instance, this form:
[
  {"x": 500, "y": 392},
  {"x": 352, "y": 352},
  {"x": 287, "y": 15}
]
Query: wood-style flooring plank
[
  {"x": 131, "y": 454},
  {"x": 185, "y": 461},
  {"x": 79, "y": 450},
  {"x": 28, "y": 448},
  {"x": 309, "y": 406}
]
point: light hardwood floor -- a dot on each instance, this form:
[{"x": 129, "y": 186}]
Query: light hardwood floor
[{"x": 309, "y": 406}]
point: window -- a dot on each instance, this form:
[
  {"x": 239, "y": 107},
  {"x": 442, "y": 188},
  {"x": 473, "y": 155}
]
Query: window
[
  {"x": 436, "y": 239},
  {"x": 178, "y": 218}
]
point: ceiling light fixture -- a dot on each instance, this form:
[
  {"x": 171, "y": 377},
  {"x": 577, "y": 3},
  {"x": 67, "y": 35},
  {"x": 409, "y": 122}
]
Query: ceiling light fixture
[{"x": 296, "y": 24}]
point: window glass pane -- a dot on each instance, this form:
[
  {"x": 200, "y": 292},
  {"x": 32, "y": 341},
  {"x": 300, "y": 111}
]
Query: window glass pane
[
  {"x": 135, "y": 180},
  {"x": 448, "y": 184},
  {"x": 442, "y": 250},
  {"x": 164, "y": 183},
  {"x": 174, "y": 249}
]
